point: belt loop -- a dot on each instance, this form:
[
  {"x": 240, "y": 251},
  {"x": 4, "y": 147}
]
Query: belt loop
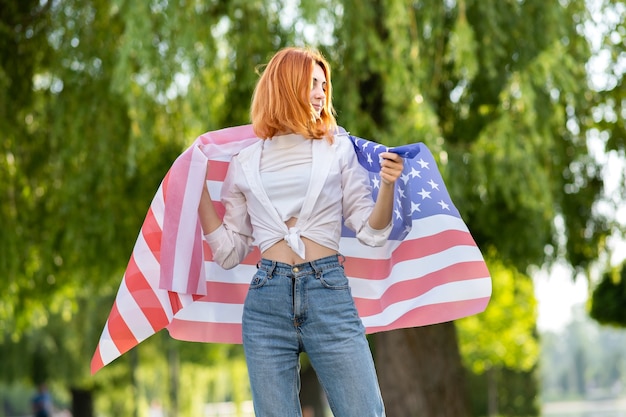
[
  {"x": 341, "y": 259},
  {"x": 314, "y": 267},
  {"x": 317, "y": 269},
  {"x": 271, "y": 270}
]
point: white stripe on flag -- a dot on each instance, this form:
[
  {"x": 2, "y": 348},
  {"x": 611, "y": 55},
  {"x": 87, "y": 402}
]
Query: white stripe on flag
[
  {"x": 215, "y": 189},
  {"x": 224, "y": 150},
  {"x": 421, "y": 228},
  {"x": 414, "y": 269},
  {"x": 241, "y": 275},
  {"x": 108, "y": 350},
  {"x": 187, "y": 224},
  {"x": 454, "y": 291},
  {"x": 133, "y": 315},
  {"x": 158, "y": 207},
  {"x": 149, "y": 267},
  {"x": 211, "y": 312}
]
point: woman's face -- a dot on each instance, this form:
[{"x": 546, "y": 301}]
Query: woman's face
[{"x": 318, "y": 90}]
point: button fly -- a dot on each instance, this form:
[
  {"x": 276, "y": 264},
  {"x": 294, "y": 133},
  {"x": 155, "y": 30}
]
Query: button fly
[{"x": 295, "y": 269}]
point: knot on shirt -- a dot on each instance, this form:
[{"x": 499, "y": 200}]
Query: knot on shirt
[{"x": 295, "y": 242}]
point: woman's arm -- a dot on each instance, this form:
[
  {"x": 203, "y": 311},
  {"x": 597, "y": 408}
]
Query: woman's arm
[
  {"x": 230, "y": 239},
  {"x": 391, "y": 169},
  {"x": 208, "y": 216}
]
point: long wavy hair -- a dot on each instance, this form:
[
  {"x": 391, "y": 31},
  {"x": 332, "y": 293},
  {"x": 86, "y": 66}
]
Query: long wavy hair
[{"x": 281, "y": 100}]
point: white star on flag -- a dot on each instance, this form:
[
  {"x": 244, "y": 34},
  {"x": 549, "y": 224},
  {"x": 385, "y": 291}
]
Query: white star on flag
[{"x": 424, "y": 194}]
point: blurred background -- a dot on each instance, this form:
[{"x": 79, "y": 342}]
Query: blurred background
[{"x": 522, "y": 102}]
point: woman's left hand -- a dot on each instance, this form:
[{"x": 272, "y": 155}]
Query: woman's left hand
[{"x": 391, "y": 167}]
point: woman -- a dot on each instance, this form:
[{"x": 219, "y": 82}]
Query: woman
[{"x": 288, "y": 194}]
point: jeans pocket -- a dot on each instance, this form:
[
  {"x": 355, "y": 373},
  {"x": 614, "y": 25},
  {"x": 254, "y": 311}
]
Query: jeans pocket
[
  {"x": 259, "y": 279},
  {"x": 334, "y": 279}
]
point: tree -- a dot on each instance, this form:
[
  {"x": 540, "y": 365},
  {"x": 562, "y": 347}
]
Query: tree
[
  {"x": 509, "y": 122},
  {"x": 608, "y": 26},
  {"x": 501, "y": 345},
  {"x": 69, "y": 195},
  {"x": 100, "y": 98},
  {"x": 609, "y": 297}
]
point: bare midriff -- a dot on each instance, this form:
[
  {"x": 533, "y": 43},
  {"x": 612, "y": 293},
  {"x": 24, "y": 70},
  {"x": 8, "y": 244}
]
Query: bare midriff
[{"x": 281, "y": 252}]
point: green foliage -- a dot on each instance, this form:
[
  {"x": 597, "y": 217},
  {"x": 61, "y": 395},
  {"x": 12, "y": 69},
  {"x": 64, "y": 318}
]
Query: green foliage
[
  {"x": 457, "y": 78},
  {"x": 208, "y": 373},
  {"x": 98, "y": 113},
  {"x": 503, "y": 335},
  {"x": 519, "y": 106},
  {"x": 609, "y": 298},
  {"x": 518, "y": 392}
]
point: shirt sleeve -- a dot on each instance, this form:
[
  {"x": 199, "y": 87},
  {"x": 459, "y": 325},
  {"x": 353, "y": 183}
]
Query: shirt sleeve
[
  {"x": 232, "y": 241},
  {"x": 358, "y": 201}
]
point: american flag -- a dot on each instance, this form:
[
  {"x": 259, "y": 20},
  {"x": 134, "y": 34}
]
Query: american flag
[{"x": 429, "y": 271}]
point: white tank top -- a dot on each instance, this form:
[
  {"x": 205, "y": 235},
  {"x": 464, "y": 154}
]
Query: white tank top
[{"x": 286, "y": 172}]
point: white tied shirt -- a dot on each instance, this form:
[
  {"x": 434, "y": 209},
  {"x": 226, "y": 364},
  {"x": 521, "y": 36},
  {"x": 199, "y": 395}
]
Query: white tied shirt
[
  {"x": 257, "y": 208},
  {"x": 285, "y": 174}
]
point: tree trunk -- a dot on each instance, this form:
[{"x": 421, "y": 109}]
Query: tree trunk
[
  {"x": 420, "y": 372},
  {"x": 133, "y": 354},
  {"x": 82, "y": 403},
  {"x": 173, "y": 362},
  {"x": 492, "y": 393}
]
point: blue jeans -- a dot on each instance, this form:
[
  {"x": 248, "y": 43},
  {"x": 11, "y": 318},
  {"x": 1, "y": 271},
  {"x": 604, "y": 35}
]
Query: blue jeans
[{"x": 307, "y": 308}]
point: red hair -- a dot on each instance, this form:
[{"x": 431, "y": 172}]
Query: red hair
[{"x": 281, "y": 101}]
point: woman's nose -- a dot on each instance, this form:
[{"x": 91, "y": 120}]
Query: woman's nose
[{"x": 319, "y": 92}]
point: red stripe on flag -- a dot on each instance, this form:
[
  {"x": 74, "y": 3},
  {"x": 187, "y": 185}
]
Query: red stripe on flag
[
  {"x": 205, "y": 331},
  {"x": 410, "y": 249},
  {"x": 423, "y": 316},
  {"x": 175, "y": 301},
  {"x": 229, "y": 134},
  {"x": 165, "y": 183},
  {"x": 152, "y": 234},
  {"x": 96, "y": 361},
  {"x": 410, "y": 289},
  {"x": 425, "y": 246},
  {"x": 196, "y": 266},
  {"x": 231, "y": 293},
  {"x": 208, "y": 332},
  {"x": 225, "y": 292},
  {"x": 120, "y": 333},
  {"x": 217, "y": 170},
  {"x": 144, "y": 296}
]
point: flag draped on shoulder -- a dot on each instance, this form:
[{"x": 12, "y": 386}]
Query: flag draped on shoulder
[{"x": 429, "y": 271}]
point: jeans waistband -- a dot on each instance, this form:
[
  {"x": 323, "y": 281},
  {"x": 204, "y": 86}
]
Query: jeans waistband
[{"x": 312, "y": 267}]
